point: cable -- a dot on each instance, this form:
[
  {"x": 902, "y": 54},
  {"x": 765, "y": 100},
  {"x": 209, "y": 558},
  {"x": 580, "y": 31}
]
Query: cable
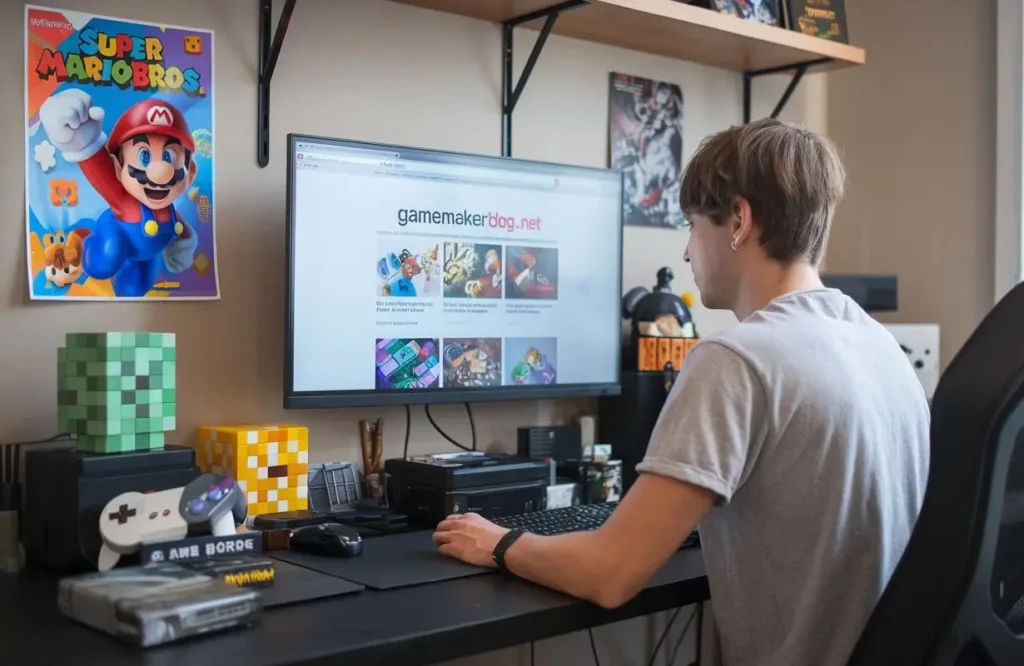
[
  {"x": 700, "y": 633},
  {"x": 664, "y": 635},
  {"x": 472, "y": 425},
  {"x": 408, "y": 428},
  {"x": 426, "y": 408},
  {"x": 532, "y": 644},
  {"x": 682, "y": 635},
  {"x": 593, "y": 647}
]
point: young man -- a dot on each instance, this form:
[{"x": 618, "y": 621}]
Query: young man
[{"x": 797, "y": 439}]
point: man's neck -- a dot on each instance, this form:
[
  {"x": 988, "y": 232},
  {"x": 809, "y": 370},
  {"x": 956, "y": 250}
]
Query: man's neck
[{"x": 772, "y": 281}]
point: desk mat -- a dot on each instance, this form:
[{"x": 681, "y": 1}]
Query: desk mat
[
  {"x": 388, "y": 562},
  {"x": 293, "y": 584}
]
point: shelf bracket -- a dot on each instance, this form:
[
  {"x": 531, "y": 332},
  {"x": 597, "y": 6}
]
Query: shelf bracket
[
  {"x": 798, "y": 69},
  {"x": 270, "y": 51},
  {"x": 510, "y": 91}
]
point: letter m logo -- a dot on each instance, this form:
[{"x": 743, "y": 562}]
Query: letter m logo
[{"x": 160, "y": 115}]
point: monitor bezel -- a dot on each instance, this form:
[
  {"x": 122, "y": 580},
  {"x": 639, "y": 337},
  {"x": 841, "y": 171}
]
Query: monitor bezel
[{"x": 297, "y": 400}]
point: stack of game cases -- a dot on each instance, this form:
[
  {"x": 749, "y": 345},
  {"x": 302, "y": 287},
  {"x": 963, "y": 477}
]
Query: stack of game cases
[{"x": 116, "y": 391}]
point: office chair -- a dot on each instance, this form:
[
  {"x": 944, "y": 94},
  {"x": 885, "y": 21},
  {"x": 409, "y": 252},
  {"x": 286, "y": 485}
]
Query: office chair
[{"x": 956, "y": 597}]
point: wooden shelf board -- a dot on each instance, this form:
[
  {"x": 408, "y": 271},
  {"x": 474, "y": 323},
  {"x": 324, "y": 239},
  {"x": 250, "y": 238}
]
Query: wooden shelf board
[{"x": 669, "y": 28}]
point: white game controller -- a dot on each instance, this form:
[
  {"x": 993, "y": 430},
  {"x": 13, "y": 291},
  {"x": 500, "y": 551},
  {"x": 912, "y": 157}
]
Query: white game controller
[{"x": 132, "y": 519}]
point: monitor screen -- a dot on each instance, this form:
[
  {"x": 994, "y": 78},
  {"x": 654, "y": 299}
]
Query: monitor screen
[{"x": 421, "y": 276}]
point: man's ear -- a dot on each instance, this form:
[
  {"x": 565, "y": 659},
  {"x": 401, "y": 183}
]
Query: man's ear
[
  {"x": 742, "y": 222},
  {"x": 117, "y": 162},
  {"x": 193, "y": 168}
]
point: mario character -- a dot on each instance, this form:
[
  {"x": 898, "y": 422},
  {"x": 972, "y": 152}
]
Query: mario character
[{"x": 145, "y": 165}]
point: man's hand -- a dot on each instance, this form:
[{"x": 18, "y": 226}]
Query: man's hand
[
  {"x": 73, "y": 124},
  {"x": 468, "y": 537}
]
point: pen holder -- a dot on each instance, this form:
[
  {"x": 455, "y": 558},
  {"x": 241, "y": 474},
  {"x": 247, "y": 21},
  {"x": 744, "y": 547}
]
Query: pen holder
[{"x": 10, "y": 547}]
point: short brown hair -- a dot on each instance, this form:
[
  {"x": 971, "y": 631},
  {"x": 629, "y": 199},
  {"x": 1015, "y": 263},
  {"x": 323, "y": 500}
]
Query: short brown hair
[{"x": 792, "y": 178}]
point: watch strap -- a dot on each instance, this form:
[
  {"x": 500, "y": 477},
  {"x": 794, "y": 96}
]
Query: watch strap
[{"x": 504, "y": 543}]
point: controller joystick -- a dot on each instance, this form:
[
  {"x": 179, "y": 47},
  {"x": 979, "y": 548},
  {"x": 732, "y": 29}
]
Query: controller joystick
[
  {"x": 213, "y": 500},
  {"x": 132, "y": 519}
]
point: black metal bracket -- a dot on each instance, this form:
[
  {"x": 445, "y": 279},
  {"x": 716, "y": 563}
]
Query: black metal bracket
[
  {"x": 510, "y": 92},
  {"x": 798, "y": 69},
  {"x": 270, "y": 51}
]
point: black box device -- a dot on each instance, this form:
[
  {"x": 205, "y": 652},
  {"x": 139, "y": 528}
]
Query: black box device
[
  {"x": 66, "y": 489},
  {"x": 430, "y": 488}
]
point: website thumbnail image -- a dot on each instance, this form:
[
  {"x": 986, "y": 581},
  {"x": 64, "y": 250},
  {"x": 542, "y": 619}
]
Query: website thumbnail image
[
  {"x": 431, "y": 363},
  {"x": 423, "y": 268}
]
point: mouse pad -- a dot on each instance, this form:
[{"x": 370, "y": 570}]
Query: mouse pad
[
  {"x": 293, "y": 584},
  {"x": 387, "y": 562}
]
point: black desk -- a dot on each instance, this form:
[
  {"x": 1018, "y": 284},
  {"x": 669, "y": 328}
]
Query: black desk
[{"x": 442, "y": 620}]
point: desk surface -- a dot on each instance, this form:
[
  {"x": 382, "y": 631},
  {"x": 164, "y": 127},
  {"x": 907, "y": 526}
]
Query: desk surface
[{"x": 440, "y": 620}]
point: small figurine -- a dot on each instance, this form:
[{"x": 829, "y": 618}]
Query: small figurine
[
  {"x": 665, "y": 277},
  {"x": 661, "y": 331},
  {"x": 659, "y": 313}
]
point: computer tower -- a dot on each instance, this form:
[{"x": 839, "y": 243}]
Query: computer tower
[{"x": 626, "y": 421}]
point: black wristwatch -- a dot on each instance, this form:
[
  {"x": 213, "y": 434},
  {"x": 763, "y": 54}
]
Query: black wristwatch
[{"x": 503, "y": 545}]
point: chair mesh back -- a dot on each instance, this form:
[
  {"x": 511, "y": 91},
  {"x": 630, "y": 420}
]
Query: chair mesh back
[
  {"x": 1007, "y": 584},
  {"x": 956, "y": 597}
]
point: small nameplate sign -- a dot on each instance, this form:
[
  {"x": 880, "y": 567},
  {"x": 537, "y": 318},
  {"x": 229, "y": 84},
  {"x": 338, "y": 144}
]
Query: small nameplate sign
[{"x": 202, "y": 547}]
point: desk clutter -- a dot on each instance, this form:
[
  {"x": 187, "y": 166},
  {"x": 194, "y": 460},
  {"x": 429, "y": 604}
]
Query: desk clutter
[
  {"x": 157, "y": 542},
  {"x": 173, "y": 558}
]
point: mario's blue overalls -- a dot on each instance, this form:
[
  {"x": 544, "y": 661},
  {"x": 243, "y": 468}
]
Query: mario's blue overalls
[{"x": 129, "y": 253}]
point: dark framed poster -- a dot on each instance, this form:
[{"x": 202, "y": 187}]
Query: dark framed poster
[
  {"x": 645, "y": 142},
  {"x": 825, "y": 19}
]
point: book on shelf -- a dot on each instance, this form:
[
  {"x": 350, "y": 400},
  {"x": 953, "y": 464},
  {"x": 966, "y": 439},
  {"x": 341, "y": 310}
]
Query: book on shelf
[{"x": 825, "y": 19}]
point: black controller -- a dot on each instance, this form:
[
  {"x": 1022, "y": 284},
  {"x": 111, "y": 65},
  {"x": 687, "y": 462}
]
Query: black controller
[{"x": 216, "y": 500}]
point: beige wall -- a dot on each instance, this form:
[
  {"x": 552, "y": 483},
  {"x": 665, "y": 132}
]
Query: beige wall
[
  {"x": 917, "y": 128},
  {"x": 371, "y": 70},
  {"x": 366, "y": 70}
]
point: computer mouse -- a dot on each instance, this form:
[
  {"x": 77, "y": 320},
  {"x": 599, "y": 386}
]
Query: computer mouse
[{"x": 327, "y": 539}]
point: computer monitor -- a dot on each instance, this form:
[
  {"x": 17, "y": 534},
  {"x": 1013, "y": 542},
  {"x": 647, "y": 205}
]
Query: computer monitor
[{"x": 419, "y": 276}]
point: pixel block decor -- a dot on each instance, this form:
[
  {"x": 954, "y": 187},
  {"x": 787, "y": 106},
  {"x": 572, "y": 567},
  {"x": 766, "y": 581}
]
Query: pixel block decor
[
  {"x": 116, "y": 391},
  {"x": 270, "y": 463}
]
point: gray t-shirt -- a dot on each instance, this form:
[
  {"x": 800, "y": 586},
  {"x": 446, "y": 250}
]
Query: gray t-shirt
[{"x": 808, "y": 423}]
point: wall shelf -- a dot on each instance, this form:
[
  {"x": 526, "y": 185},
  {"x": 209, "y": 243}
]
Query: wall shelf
[
  {"x": 659, "y": 27},
  {"x": 668, "y": 28}
]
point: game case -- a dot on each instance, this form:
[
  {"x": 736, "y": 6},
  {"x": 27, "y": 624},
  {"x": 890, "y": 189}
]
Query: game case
[
  {"x": 157, "y": 603},
  {"x": 243, "y": 571}
]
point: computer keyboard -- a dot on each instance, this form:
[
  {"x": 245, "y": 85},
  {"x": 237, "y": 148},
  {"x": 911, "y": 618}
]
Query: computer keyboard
[{"x": 578, "y": 518}]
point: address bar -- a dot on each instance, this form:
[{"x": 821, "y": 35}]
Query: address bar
[{"x": 426, "y": 168}]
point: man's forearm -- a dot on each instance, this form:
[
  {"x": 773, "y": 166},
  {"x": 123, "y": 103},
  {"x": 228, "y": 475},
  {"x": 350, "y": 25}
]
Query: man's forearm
[{"x": 571, "y": 563}]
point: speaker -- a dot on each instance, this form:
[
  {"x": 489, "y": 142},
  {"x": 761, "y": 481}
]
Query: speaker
[
  {"x": 627, "y": 420},
  {"x": 874, "y": 293}
]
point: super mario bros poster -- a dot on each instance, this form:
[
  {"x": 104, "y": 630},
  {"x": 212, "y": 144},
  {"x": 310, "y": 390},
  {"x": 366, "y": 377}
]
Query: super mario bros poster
[{"x": 119, "y": 159}]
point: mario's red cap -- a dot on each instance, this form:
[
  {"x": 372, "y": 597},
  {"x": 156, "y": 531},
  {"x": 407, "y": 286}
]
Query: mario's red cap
[{"x": 151, "y": 116}]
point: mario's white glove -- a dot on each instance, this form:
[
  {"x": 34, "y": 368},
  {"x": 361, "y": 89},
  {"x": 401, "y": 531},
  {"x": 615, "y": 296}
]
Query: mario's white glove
[
  {"x": 73, "y": 124},
  {"x": 180, "y": 252}
]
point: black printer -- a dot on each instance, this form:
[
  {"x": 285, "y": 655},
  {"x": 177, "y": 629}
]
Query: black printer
[{"x": 431, "y": 487}]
